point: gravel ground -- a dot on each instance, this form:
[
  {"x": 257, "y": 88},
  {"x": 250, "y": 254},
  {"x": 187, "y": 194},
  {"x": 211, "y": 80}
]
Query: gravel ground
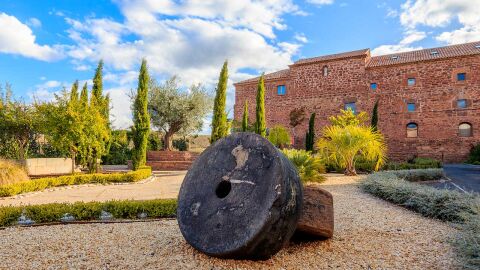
[{"x": 369, "y": 234}]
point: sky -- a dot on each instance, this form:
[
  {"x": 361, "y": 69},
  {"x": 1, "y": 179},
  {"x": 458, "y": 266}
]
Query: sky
[{"x": 47, "y": 45}]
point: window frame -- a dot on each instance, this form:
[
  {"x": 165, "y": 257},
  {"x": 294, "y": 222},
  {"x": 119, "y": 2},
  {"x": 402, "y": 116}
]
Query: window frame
[
  {"x": 373, "y": 86},
  {"x": 462, "y": 75},
  {"x": 325, "y": 71},
  {"x": 465, "y": 102},
  {"x": 414, "y": 106},
  {"x": 281, "y": 90},
  {"x": 411, "y": 79},
  {"x": 354, "y": 109},
  {"x": 470, "y": 130},
  {"x": 416, "y": 130}
]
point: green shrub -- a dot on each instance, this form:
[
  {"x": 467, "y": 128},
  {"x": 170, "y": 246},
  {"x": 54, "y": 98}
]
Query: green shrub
[
  {"x": 180, "y": 144},
  {"x": 416, "y": 163},
  {"x": 474, "y": 156},
  {"x": 420, "y": 175},
  {"x": 278, "y": 136},
  {"x": 309, "y": 167},
  {"x": 431, "y": 202},
  {"x": 53, "y": 212},
  {"x": 76, "y": 179},
  {"x": 467, "y": 242},
  {"x": 10, "y": 172}
]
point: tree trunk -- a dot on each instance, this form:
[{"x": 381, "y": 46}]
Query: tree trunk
[
  {"x": 167, "y": 141},
  {"x": 73, "y": 161},
  {"x": 350, "y": 170}
]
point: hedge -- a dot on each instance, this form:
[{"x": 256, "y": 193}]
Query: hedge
[
  {"x": 84, "y": 211},
  {"x": 76, "y": 179},
  {"x": 420, "y": 175}
]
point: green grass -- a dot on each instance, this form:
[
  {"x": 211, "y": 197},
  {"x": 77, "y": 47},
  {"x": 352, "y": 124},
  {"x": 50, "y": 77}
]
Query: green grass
[
  {"x": 76, "y": 179},
  {"x": 446, "y": 205},
  {"x": 82, "y": 211}
]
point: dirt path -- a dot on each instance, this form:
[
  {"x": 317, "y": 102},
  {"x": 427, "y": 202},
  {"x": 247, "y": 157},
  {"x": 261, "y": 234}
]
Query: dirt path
[
  {"x": 165, "y": 186},
  {"x": 369, "y": 234}
]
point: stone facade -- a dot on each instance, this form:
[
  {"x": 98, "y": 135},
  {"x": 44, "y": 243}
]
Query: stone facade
[{"x": 325, "y": 84}]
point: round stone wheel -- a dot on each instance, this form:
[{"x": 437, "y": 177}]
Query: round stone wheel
[{"x": 241, "y": 199}]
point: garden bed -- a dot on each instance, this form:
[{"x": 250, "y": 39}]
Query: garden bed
[{"x": 369, "y": 233}]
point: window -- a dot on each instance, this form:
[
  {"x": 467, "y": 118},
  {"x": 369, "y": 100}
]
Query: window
[
  {"x": 281, "y": 90},
  {"x": 325, "y": 71},
  {"x": 411, "y": 81},
  {"x": 462, "y": 103},
  {"x": 412, "y": 130},
  {"x": 411, "y": 107},
  {"x": 465, "y": 130},
  {"x": 461, "y": 76},
  {"x": 351, "y": 106},
  {"x": 373, "y": 86}
]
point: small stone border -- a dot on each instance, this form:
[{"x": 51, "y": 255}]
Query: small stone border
[{"x": 24, "y": 195}]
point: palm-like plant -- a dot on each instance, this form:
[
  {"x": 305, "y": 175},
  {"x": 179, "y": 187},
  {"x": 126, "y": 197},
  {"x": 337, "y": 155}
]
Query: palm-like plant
[
  {"x": 343, "y": 145},
  {"x": 309, "y": 167}
]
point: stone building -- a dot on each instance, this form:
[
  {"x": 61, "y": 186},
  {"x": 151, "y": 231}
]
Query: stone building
[{"x": 429, "y": 100}]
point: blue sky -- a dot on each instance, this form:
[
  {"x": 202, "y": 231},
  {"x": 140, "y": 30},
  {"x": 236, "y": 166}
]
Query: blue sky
[{"x": 45, "y": 45}]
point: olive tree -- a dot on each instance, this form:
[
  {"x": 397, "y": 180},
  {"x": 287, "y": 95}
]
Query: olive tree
[{"x": 175, "y": 110}]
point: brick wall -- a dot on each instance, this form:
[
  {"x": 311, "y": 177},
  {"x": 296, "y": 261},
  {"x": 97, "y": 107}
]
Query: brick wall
[{"x": 435, "y": 94}]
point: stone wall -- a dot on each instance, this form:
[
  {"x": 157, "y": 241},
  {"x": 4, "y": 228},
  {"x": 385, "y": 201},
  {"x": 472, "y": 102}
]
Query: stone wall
[
  {"x": 170, "y": 160},
  {"x": 48, "y": 166},
  {"x": 348, "y": 80}
]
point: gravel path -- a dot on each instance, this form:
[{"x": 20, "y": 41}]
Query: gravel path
[
  {"x": 165, "y": 185},
  {"x": 369, "y": 234}
]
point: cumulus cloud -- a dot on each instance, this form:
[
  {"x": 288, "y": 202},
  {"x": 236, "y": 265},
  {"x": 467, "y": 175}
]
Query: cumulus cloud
[
  {"x": 187, "y": 38},
  {"x": 404, "y": 45},
  {"x": 18, "y": 38},
  {"x": 320, "y": 2},
  {"x": 46, "y": 91}
]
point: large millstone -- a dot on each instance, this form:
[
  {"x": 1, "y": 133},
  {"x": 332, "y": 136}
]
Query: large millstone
[{"x": 241, "y": 199}]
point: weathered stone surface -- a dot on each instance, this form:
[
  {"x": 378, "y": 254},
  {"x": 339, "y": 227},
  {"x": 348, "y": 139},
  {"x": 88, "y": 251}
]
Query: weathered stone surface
[
  {"x": 241, "y": 199},
  {"x": 317, "y": 212}
]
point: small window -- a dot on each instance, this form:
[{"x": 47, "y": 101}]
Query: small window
[
  {"x": 412, "y": 130},
  {"x": 465, "y": 130},
  {"x": 461, "y": 76},
  {"x": 462, "y": 103},
  {"x": 351, "y": 106},
  {"x": 325, "y": 71},
  {"x": 411, "y": 81},
  {"x": 411, "y": 107},
  {"x": 373, "y": 86},
  {"x": 281, "y": 90}
]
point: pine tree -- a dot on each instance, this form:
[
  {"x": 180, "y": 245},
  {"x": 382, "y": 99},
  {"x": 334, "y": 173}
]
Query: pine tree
[
  {"x": 310, "y": 137},
  {"x": 219, "y": 120},
  {"x": 375, "y": 116},
  {"x": 141, "y": 119},
  {"x": 260, "y": 124},
  {"x": 245, "y": 117}
]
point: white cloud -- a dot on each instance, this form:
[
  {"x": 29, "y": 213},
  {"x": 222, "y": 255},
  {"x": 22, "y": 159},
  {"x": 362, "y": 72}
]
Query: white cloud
[
  {"x": 320, "y": 2},
  {"x": 437, "y": 14},
  {"x": 301, "y": 37},
  {"x": 410, "y": 37},
  {"x": 120, "y": 113},
  {"x": 46, "y": 91},
  {"x": 18, "y": 38},
  {"x": 34, "y": 22}
]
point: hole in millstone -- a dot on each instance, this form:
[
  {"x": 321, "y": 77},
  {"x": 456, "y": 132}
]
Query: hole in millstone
[{"x": 223, "y": 189}]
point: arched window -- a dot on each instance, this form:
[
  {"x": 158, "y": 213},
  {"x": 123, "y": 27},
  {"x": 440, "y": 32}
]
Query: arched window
[
  {"x": 412, "y": 130},
  {"x": 325, "y": 71},
  {"x": 465, "y": 130}
]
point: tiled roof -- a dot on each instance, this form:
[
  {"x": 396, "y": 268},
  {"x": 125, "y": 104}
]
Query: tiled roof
[
  {"x": 424, "y": 55},
  {"x": 333, "y": 56},
  {"x": 275, "y": 75}
]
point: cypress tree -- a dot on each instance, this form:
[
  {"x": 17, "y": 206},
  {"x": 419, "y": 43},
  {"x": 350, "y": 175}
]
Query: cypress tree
[
  {"x": 375, "y": 116},
  {"x": 74, "y": 93},
  {"x": 141, "y": 119},
  {"x": 219, "y": 120},
  {"x": 97, "y": 89},
  {"x": 84, "y": 97},
  {"x": 310, "y": 136},
  {"x": 260, "y": 124},
  {"x": 245, "y": 117}
]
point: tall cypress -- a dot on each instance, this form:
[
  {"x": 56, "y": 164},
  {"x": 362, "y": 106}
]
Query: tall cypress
[
  {"x": 74, "y": 93},
  {"x": 245, "y": 117},
  {"x": 84, "y": 97},
  {"x": 310, "y": 136},
  {"x": 219, "y": 120},
  {"x": 375, "y": 116},
  {"x": 141, "y": 119},
  {"x": 97, "y": 89},
  {"x": 260, "y": 124}
]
